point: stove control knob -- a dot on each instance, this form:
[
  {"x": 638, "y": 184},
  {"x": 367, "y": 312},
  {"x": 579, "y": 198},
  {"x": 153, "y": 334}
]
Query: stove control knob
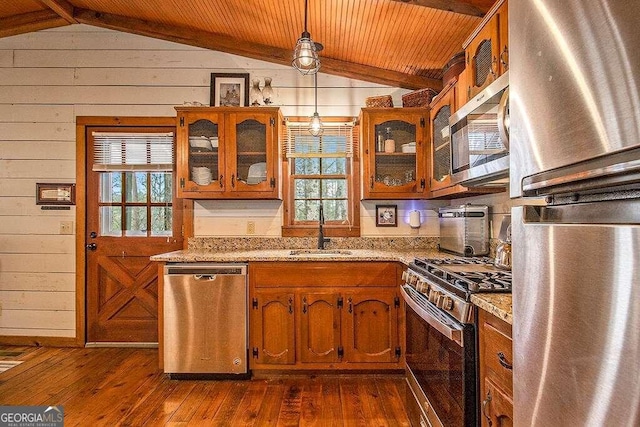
[
  {"x": 434, "y": 296},
  {"x": 447, "y": 303},
  {"x": 422, "y": 286},
  {"x": 413, "y": 280}
]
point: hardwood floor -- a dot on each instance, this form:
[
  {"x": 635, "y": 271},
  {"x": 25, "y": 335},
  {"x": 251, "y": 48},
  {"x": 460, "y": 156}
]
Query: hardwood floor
[{"x": 118, "y": 386}]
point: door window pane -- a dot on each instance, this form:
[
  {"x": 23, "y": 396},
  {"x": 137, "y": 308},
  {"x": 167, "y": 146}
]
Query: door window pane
[
  {"x": 111, "y": 221},
  {"x": 136, "y": 187},
  {"x": 161, "y": 219},
  {"x": 111, "y": 187},
  {"x": 136, "y": 221}
]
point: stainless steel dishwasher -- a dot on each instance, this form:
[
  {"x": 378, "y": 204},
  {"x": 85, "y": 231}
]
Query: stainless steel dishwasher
[{"x": 205, "y": 320}]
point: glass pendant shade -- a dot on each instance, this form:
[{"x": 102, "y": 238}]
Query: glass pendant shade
[
  {"x": 305, "y": 55},
  {"x": 315, "y": 125}
]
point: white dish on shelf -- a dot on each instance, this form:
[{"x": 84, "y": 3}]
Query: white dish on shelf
[
  {"x": 200, "y": 142},
  {"x": 257, "y": 173},
  {"x": 408, "y": 148}
]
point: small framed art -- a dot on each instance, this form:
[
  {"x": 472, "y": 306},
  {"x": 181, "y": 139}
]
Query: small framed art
[
  {"x": 55, "y": 194},
  {"x": 386, "y": 215},
  {"x": 229, "y": 89}
]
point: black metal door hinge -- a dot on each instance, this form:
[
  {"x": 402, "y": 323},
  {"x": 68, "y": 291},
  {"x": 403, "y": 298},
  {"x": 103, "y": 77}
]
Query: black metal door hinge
[
  {"x": 181, "y": 182},
  {"x": 398, "y": 352},
  {"x": 422, "y": 122},
  {"x": 340, "y": 302},
  {"x": 181, "y": 121},
  {"x": 272, "y": 121},
  {"x": 396, "y": 302},
  {"x": 255, "y": 352},
  {"x": 340, "y": 352},
  {"x": 423, "y": 183},
  {"x": 254, "y": 303},
  {"x": 273, "y": 183}
]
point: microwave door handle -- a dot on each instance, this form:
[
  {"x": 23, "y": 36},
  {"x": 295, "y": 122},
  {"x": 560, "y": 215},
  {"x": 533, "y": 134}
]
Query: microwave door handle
[
  {"x": 503, "y": 118},
  {"x": 446, "y": 330}
]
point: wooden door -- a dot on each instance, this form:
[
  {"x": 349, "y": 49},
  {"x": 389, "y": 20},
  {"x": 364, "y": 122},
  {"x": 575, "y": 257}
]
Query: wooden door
[
  {"x": 320, "y": 327},
  {"x": 440, "y": 176},
  {"x": 503, "y": 24},
  {"x": 497, "y": 406},
  {"x": 482, "y": 58},
  {"x": 370, "y": 326},
  {"x": 200, "y": 153},
  {"x": 130, "y": 216},
  {"x": 401, "y": 173},
  {"x": 252, "y": 154},
  {"x": 272, "y": 328}
]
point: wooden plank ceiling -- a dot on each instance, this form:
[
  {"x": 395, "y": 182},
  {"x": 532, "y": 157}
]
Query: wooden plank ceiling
[{"x": 402, "y": 43}]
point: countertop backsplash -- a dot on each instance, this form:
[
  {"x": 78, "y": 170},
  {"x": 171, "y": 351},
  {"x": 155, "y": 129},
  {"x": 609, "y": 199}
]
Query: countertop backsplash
[{"x": 257, "y": 243}]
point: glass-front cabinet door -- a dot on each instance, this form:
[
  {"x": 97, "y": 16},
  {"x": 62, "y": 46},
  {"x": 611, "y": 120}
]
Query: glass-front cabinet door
[
  {"x": 394, "y": 144},
  {"x": 441, "y": 109},
  {"x": 200, "y": 155},
  {"x": 249, "y": 158}
]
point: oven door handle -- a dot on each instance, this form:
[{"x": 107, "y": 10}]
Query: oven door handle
[{"x": 449, "y": 331}]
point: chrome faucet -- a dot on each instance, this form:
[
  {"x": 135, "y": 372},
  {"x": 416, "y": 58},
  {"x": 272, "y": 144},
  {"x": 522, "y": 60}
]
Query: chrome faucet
[{"x": 321, "y": 239}]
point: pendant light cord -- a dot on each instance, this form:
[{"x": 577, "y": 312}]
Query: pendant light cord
[{"x": 316, "y": 91}]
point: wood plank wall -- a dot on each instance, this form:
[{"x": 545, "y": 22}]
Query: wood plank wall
[{"x": 49, "y": 78}]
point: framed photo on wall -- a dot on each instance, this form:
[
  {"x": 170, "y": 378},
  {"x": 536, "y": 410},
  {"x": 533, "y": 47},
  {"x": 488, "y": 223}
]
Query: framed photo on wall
[
  {"x": 386, "y": 215},
  {"x": 229, "y": 89},
  {"x": 55, "y": 194}
]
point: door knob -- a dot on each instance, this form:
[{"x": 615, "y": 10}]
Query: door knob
[{"x": 92, "y": 246}]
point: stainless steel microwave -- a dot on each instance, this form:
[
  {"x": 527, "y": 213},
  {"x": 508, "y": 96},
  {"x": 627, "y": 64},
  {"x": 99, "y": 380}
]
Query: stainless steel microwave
[{"x": 480, "y": 137}]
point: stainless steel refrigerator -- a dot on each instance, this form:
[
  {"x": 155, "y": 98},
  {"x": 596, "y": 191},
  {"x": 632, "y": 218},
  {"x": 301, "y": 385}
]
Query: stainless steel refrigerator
[{"x": 575, "y": 141}]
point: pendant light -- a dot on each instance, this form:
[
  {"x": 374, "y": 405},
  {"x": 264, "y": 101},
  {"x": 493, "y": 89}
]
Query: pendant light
[
  {"x": 315, "y": 125},
  {"x": 305, "y": 54}
]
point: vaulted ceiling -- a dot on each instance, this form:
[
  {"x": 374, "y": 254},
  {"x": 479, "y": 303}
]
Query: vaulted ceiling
[{"x": 403, "y": 43}]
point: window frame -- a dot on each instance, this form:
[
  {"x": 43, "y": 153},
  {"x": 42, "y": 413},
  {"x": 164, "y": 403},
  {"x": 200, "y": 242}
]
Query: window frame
[{"x": 290, "y": 227}]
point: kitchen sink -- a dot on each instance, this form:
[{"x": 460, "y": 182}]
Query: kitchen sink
[{"x": 318, "y": 252}]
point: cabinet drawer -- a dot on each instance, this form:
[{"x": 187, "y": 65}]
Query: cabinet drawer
[
  {"x": 351, "y": 274},
  {"x": 497, "y": 352}
]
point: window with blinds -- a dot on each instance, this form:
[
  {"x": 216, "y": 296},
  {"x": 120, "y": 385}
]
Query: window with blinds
[
  {"x": 319, "y": 169},
  {"x": 120, "y": 151},
  {"x": 135, "y": 183}
]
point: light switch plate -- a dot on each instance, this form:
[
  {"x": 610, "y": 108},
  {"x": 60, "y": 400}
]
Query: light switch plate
[{"x": 66, "y": 227}]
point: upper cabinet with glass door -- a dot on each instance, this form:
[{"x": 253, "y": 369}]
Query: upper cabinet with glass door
[
  {"x": 486, "y": 53},
  {"x": 395, "y": 142},
  {"x": 228, "y": 153}
]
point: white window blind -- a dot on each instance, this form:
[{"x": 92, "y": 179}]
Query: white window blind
[
  {"x": 337, "y": 140},
  {"x": 120, "y": 151}
]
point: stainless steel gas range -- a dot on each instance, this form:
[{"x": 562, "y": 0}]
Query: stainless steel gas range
[{"x": 441, "y": 337}]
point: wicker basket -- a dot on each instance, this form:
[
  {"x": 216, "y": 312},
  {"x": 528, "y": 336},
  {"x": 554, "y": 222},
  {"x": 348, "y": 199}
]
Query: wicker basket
[
  {"x": 379, "y": 101},
  {"x": 418, "y": 98},
  {"x": 453, "y": 68}
]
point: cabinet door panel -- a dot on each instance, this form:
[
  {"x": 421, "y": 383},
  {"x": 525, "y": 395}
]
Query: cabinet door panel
[
  {"x": 497, "y": 407},
  {"x": 482, "y": 58},
  {"x": 319, "y": 327},
  {"x": 371, "y": 326},
  {"x": 272, "y": 327}
]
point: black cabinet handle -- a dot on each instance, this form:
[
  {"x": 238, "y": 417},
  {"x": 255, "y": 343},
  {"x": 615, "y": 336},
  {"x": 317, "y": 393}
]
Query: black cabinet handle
[
  {"x": 92, "y": 246},
  {"x": 485, "y": 402},
  {"x": 503, "y": 361},
  {"x": 233, "y": 181},
  {"x": 304, "y": 305},
  {"x": 290, "y": 306},
  {"x": 221, "y": 183}
]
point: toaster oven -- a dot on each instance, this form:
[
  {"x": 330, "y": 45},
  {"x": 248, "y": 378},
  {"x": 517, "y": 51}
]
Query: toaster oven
[{"x": 464, "y": 230}]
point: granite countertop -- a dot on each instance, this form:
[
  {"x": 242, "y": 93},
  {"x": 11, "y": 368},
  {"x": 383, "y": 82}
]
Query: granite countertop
[
  {"x": 206, "y": 251},
  {"x": 255, "y": 255},
  {"x": 497, "y": 304}
]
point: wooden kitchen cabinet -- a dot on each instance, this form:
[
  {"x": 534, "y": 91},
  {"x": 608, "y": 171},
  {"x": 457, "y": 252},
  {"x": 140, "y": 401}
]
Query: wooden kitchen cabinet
[
  {"x": 228, "y": 153},
  {"x": 496, "y": 370},
  {"x": 273, "y": 321},
  {"x": 398, "y": 172},
  {"x": 347, "y": 315},
  {"x": 486, "y": 52},
  {"x": 440, "y": 186}
]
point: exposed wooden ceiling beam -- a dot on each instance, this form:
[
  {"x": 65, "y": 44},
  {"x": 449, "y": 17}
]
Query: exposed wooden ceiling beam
[
  {"x": 465, "y": 7},
  {"x": 28, "y": 22},
  {"x": 62, "y": 8},
  {"x": 234, "y": 46}
]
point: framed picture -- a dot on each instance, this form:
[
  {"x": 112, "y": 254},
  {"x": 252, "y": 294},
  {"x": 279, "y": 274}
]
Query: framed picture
[
  {"x": 229, "y": 89},
  {"x": 55, "y": 194},
  {"x": 386, "y": 215}
]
